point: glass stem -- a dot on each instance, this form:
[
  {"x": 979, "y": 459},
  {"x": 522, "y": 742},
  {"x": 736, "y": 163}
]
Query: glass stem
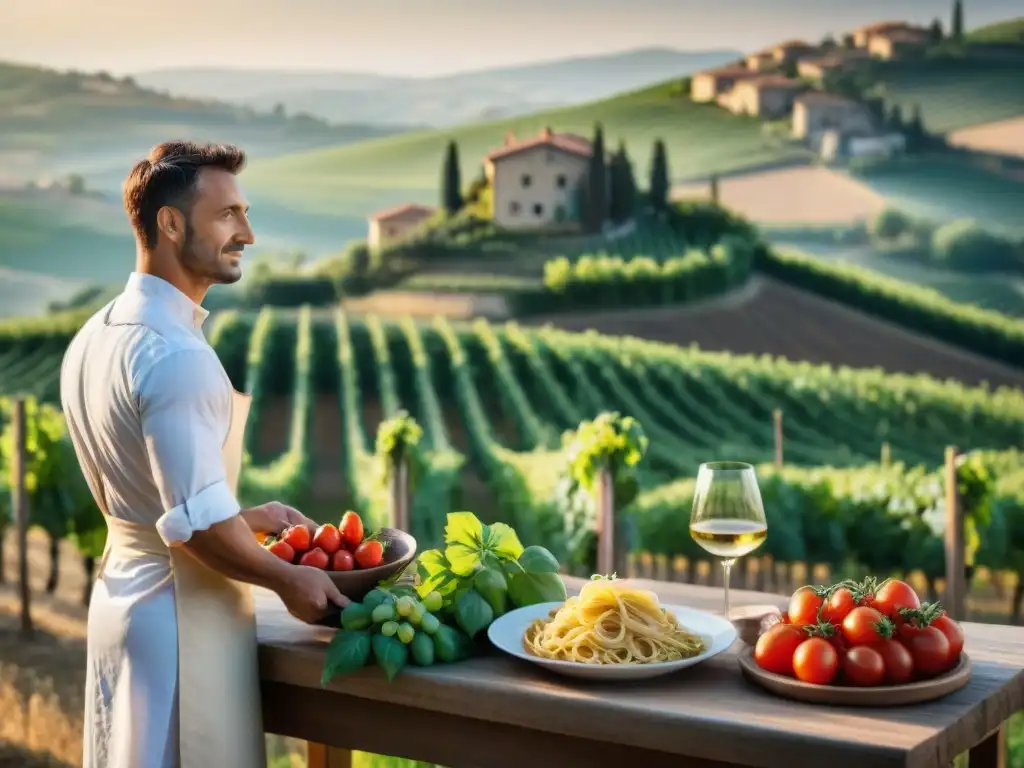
[{"x": 727, "y": 568}]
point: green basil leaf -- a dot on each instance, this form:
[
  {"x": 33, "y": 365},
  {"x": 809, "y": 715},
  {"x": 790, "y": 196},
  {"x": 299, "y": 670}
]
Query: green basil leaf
[
  {"x": 348, "y": 651},
  {"x": 493, "y": 586},
  {"x": 531, "y": 588},
  {"x": 472, "y": 612},
  {"x": 536, "y": 559}
]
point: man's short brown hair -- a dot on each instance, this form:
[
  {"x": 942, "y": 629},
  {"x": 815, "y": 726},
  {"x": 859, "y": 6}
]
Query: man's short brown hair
[{"x": 168, "y": 176}]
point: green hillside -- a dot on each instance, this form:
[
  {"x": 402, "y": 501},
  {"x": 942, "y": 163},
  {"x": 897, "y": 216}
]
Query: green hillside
[
  {"x": 359, "y": 178},
  {"x": 54, "y": 121},
  {"x": 955, "y": 92},
  {"x": 1010, "y": 32}
]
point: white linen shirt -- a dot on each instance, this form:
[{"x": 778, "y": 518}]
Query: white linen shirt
[{"x": 148, "y": 407}]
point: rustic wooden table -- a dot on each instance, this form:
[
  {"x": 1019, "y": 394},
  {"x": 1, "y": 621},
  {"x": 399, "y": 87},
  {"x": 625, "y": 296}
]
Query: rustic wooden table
[{"x": 495, "y": 711}]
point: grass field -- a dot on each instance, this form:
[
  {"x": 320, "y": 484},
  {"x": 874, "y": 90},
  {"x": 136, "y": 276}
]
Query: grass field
[
  {"x": 1005, "y": 137},
  {"x": 359, "y": 178},
  {"x": 806, "y": 195},
  {"x": 944, "y": 188}
]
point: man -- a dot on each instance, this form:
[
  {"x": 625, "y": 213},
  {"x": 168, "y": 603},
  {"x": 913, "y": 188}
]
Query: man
[{"x": 157, "y": 428}]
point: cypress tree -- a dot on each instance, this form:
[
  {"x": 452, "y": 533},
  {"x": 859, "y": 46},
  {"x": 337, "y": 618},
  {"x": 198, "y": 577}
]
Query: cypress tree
[
  {"x": 597, "y": 183},
  {"x": 957, "y": 27},
  {"x": 622, "y": 187},
  {"x": 451, "y": 180},
  {"x": 658, "y": 189}
]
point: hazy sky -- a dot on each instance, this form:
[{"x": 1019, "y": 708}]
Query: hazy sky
[{"x": 420, "y": 37}]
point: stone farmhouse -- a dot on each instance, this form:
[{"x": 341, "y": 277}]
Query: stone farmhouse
[
  {"x": 756, "y": 85},
  {"x": 390, "y": 226},
  {"x": 535, "y": 182}
]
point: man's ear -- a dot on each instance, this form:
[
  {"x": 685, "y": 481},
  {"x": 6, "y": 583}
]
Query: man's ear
[{"x": 171, "y": 224}]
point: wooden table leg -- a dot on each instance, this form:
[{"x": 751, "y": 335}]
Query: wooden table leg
[
  {"x": 991, "y": 753},
  {"x": 322, "y": 756}
]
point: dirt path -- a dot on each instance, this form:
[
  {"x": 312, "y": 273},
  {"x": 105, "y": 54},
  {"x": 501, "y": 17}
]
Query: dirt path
[{"x": 776, "y": 319}]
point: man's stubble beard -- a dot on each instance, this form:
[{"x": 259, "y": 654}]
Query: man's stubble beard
[{"x": 204, "y": 262}]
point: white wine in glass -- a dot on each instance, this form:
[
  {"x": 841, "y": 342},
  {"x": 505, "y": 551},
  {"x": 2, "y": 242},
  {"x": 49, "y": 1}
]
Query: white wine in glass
[{"x": 727, "y": 518}]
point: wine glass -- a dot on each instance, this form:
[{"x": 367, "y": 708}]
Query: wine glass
[{"x": 727, "y": 518}]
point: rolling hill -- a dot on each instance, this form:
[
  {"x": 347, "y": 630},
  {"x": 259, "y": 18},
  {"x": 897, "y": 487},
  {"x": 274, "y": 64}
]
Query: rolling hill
[
  {"x": 1009, "y": 32},
  {"x": 464, "y": 97},
  {"x": 60, "y": 122},
  {"x": 701, "y": 139},
  {"x": 359, "y": 178}
]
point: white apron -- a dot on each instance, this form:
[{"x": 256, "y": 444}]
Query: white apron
[{"x": 220, "y": 720}]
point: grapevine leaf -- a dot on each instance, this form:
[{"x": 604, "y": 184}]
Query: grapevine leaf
[
  {"x": 500, "y": 539},
  {"x": 348, "y": 651},
  {"x": 391, "y": 654},
  {"x": 434, "y": 574},
  {"x": 464, "y": 535}
]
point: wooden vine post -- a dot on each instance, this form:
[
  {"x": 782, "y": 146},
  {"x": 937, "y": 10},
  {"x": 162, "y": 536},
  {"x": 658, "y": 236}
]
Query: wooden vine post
[
  {"x": 19, "y": 499},
  {"x": 604, "y": 502},
  {"x": 777, "y": 419},
  {"x": 956, "y": 586},
  {"x": 398, "y": 493}
]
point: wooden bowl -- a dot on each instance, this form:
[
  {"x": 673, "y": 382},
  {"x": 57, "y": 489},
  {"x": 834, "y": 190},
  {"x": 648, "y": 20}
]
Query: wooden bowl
[
  {"x": 851, "y": 696},
  {"x": 399, "y": 552}
]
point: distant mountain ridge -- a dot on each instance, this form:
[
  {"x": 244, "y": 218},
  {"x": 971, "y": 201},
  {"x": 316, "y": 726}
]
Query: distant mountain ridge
[{"x": 363, "y": 97}]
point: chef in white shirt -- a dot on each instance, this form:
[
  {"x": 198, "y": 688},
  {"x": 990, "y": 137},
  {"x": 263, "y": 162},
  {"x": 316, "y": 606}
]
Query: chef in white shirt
[{"x": 157, "y": 427}]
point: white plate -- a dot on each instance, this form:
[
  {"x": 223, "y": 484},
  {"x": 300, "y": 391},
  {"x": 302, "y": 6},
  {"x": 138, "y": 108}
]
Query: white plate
[{"x": 506, "y": 632}]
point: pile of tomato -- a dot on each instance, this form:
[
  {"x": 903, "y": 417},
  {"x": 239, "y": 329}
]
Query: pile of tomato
[
  {"x": 331, "y": 548},
  {"x": 860, "y": 634}
]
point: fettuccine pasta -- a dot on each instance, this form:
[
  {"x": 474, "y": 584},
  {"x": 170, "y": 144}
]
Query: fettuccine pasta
[{"x": 611, "y": 622}]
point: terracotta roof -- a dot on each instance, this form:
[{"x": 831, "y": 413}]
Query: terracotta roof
[
  {"x": 907, "y": 35},
  {"x": 403, "y": 210},
  {"x": 567, "y": 142},
  {"x": 730, "y": 71},
  {"x": 819, "y": 97},
  {"x": 826, "y": 61},
  {"x": 880, "y": 25},
  {"x": 771, "y": 81},
  {"x": 792, "y": 44}
]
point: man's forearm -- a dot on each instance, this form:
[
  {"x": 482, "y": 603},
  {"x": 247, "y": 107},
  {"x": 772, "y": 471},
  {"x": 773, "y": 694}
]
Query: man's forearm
[{"x": 230, "y": 548}]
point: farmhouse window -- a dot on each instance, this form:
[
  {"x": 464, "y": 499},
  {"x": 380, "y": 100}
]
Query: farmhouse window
[
  {"x": 513, "y": 208},
  {"x": 538, "y": 209},
  {"x": 561, "y": 181},
  {"x": 526, "y": 180}
]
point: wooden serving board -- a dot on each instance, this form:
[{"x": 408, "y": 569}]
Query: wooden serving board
[{"x": 850, "y": 696}]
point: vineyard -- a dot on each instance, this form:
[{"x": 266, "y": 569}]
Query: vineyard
[{"x": 493, "y": 402}]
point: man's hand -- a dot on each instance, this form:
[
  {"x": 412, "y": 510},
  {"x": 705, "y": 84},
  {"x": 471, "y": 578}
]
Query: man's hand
[
  {"x": 274, "y": 517},
  {"x": 308, "y": 592}
]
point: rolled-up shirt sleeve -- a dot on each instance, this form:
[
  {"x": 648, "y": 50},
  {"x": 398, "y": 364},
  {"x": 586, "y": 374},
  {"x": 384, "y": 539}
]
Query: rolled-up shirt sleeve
[{"x": 185, "y": 407}]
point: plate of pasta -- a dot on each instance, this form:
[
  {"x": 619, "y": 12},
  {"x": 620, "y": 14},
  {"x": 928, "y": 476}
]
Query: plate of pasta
[{"x": 611, "y": 631}]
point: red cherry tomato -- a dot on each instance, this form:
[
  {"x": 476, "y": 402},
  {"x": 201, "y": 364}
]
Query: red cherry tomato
[
  {"x": 804, "y": 605},
  {"x": 342, "y": 560},
  {"x": 954, "y": 634},
  {"x": 894, "y": 595},
  {"x": 863, "y": 666},
  {"x": 863, "y": 626},
  {"x": 838, "y": 605},
  {"x": 815, "y": 661},
  {"x": 899, "y": 665},
  {"x": 774, "y": 649},
  {"x": 929, "y": 649}
]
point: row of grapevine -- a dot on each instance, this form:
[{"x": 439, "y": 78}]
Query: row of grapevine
[
  {"x": 916, "y": 307},
  {"x": 883, "y": 519},
  {"x": 522, "y": 483},
  {"x": 360, "y": 469},
  {"x": 610, "y": 281},
  {"x": 288, "y": 475}
]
